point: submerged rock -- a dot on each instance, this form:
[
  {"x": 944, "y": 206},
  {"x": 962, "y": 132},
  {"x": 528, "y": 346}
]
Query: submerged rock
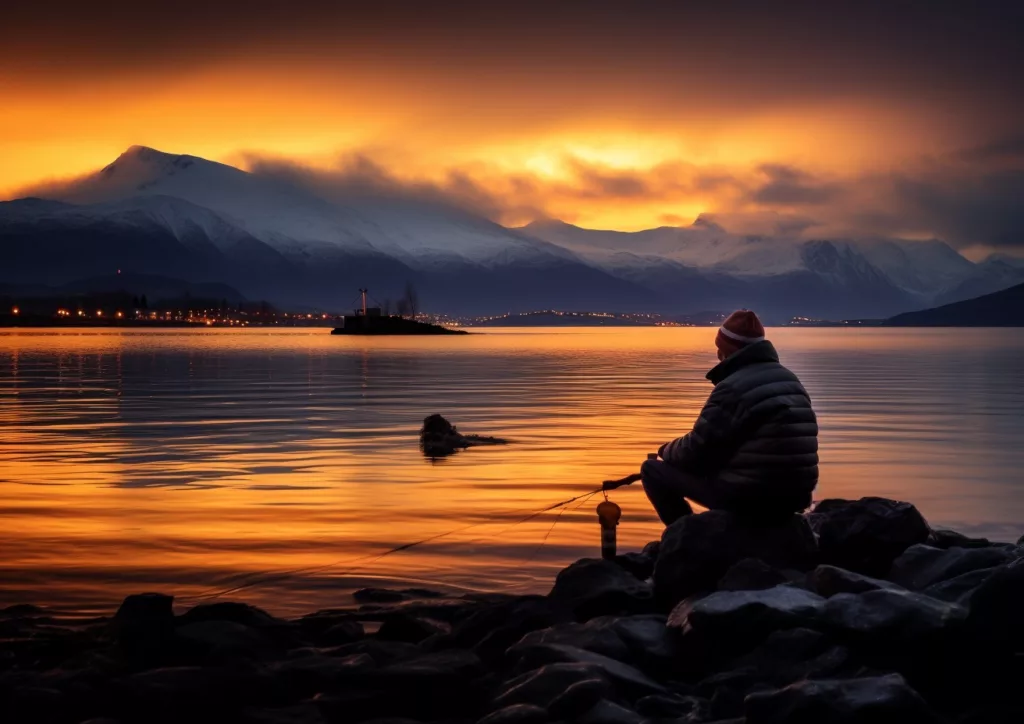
[
  {"x": 866, "y": 535},
  {"x": 697, "y": 550},
  {"x": 579, "y": 698},
  {"x": 872, "y": 700}
]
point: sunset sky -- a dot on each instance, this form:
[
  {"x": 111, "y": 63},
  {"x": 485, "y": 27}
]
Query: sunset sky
[{"x": 901, "y": 119}]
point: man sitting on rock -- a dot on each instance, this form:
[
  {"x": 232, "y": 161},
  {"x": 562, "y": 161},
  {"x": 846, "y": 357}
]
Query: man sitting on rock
[{"x": 754, "y": 448}]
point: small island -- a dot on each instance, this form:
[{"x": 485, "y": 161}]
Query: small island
[{"x": 371, "y": 321}]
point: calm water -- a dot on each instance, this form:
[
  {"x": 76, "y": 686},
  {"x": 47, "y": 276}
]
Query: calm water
[{"x": 187, "y": 461}]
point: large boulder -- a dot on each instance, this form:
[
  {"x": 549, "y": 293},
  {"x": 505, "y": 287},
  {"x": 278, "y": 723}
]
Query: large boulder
[
  {"x": 595, "y": 587},
  {"x": 697, "y": 550},
  {"x": 872, "y": 700},
  {"x": 866, "y": 535},
  {"x": 746, "y": 617},
  {"x": 996, "y": 620},
  {"x": 891, "y": 618},
  {"x": 922, "y": 566}
]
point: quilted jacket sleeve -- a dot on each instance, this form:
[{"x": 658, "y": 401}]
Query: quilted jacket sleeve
[{"x": 710, "y": 444}]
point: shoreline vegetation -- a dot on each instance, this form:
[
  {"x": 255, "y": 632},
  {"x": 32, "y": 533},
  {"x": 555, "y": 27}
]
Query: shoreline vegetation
[{"x": 855, "y": 612}]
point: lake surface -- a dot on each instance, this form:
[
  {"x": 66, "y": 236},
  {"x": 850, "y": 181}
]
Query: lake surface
[{"x": 190, "y": 461}]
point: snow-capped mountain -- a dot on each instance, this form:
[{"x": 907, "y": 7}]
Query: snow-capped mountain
[
  {"x": 293, "y": 219},
  {"x": 842, "y": 277},
  {"x": 150, "y": 212}
]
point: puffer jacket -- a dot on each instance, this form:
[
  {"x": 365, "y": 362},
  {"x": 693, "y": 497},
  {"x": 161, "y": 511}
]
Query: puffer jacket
[{"x": 756, "y": 439}]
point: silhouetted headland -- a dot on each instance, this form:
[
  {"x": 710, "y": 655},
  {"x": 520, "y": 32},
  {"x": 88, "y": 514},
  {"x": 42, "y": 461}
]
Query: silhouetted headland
[{"x": 858, "y": 611}]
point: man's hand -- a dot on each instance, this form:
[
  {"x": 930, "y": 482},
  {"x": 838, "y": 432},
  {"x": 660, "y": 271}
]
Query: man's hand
[{"x": 613, "y": 484}]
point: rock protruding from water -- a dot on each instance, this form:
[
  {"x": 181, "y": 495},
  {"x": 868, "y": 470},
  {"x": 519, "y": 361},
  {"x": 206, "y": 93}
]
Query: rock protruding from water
[{"x": 439, "y": 438}]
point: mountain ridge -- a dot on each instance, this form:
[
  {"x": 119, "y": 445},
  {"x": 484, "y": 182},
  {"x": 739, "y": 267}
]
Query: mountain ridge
[{"x": 275, "y": 238}]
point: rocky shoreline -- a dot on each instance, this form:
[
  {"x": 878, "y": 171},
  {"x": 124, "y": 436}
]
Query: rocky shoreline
[{"x": 856, "y": 612}]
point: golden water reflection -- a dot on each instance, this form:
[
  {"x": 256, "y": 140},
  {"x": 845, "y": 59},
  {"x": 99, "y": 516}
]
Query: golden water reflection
[{"x": 185, "y": 460}]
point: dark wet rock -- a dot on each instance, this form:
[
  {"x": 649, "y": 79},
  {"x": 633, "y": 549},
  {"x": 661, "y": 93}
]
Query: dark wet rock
[
  {"x": 490, "y": 630},
  {"x": 343, "y": 632},
  {"x": 223, "y": 638},
  {"x": 751, "y": 574},
  {"x": 144, "y": 627},
  {"x": 598, "y": 635},
  {"x": 745, "y": 617},
  {"x": 595, "y": 587},
  {"x": 297, "y": 714},
  {"x": 892, "y": 618},
  {"x": 651, "y": 549},
  {"x": 21, "y": 610},
  {"x": 579, "y": 698},
  {"x": 518, "y": 714},
  {"x": 921, "y": 566},
  {"x": 382, "y": 652},
  {"x": 638, "y": 565},
  {"x": 669, "y": 706},
  {"x": 996, "y": 619},
  {"x": 830, "y": 580},
  {"x": 942, "y": 538},
  {"x": 145, "y": 608},
  {"x": 608, "y": 712},
  {"x": 961, "y": 589},
  {"x": 183, "y": 691},
  {"x": 866, "y": 535},
  {"x": 626, "y": 678},
  {"x": 391, "y": 595},
  {"x": 697, "y": 550},
  {"x": 873, "y": 700},
  {"x": 308, "y": 675},
  {"x": 410, "y": 629},
  {"x": 795, "y": 654},
  {"x": 239, "y": 613},
  {"x": 643, "y": 640},
  {"x": 542, "y": 686},
  {"x": 440, "y": 684},
  {"x": 652, "y": 646}
]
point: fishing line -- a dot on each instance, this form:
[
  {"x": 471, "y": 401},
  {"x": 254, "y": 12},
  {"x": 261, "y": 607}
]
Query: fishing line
[{"x": 370, "y": 558}]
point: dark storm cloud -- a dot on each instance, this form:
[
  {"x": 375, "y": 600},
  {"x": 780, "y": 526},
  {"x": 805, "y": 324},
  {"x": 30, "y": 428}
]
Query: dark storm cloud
[
  {"x": 789, "y": 186},
  {"x": 923, "y": 47},
  {"x": 986, "y": 210}
]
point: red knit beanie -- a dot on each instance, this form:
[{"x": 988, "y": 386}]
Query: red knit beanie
[{"x": 739, "y": 330}]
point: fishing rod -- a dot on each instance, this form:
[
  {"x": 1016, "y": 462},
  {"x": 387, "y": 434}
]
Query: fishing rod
[{"x": 370, "y": 558}]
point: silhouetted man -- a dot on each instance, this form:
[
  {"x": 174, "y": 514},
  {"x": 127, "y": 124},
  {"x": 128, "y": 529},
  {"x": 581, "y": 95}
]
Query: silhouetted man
[{"x": 754, "y": 448}]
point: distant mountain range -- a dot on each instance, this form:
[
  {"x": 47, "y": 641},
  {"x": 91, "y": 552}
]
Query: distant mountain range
[
  {"x": 1004, "y": 308},
  {"x": 150, "y": 212}
]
